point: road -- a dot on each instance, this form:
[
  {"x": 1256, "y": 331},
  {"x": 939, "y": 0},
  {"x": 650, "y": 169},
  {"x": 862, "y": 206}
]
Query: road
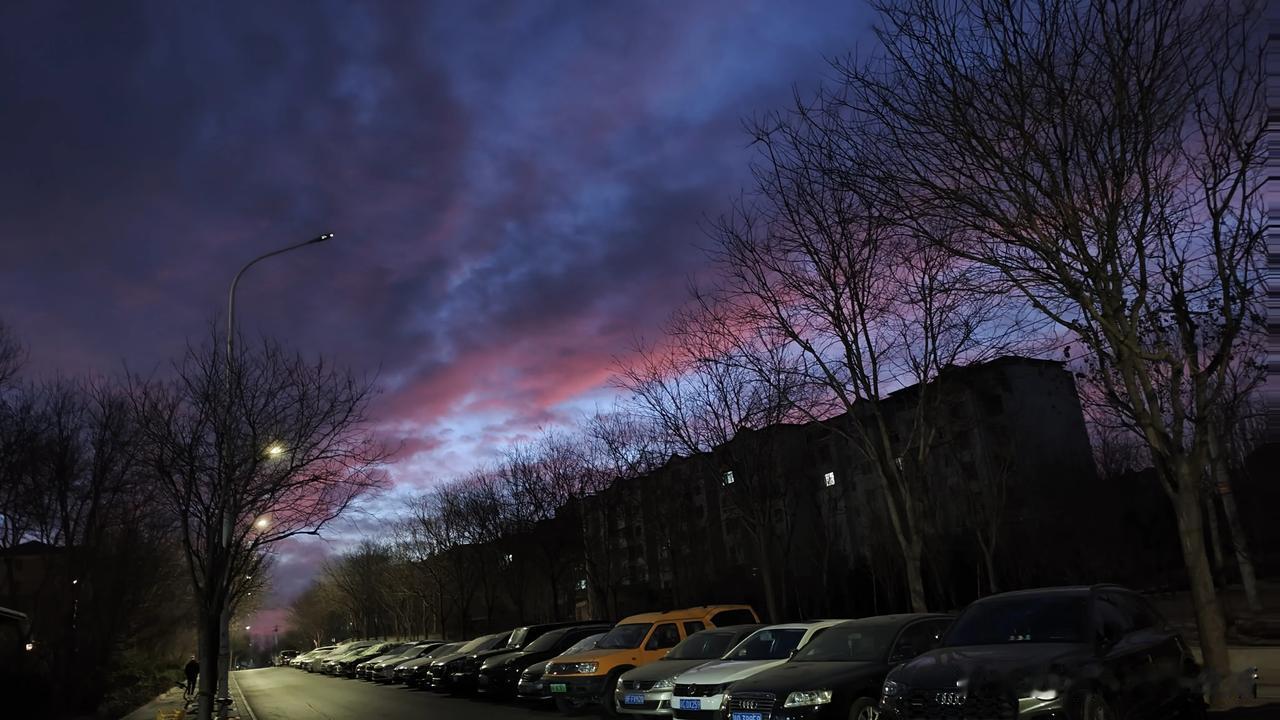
[{"x": 289, "y": 694}]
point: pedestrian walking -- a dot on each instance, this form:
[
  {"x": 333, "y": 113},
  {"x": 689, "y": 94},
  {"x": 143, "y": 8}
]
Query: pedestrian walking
[{"x": 192, "y": 671}]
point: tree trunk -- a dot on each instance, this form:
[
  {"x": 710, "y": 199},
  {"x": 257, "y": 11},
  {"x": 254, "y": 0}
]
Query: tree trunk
[
  {"x": 1210, "y": 623},
  {"x": 209, "y": 646},
  {"x": 766, "y": 577},
  {"x": 913, "y": 555},
  {"x": 1215, "y": 541},
  {"x": 989, "y": 558},
  {"x": 1241, "y": 544}
]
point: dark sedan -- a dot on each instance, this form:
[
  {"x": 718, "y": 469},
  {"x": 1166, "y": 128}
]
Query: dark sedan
[
  {"x": 465, "y": 675},
  {"x": 839, "y": 674},
  {"x": 443, "y": 668},
  {"x": 498, "y": 675},
  {"x": 415, "y": 672},
  {"x": 1097, "y": 652}
]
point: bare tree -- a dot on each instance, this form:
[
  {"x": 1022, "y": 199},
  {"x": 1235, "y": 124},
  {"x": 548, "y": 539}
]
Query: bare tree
[
  {"x": 244, "y": 456},
  {"x": 12, "y": 355},
  {"x": 815, "y": 270},
  {"x": 1106, "y": 161},
  {"x": 702, "y": 398}
]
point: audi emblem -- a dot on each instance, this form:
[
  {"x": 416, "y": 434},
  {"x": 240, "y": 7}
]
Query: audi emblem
[
  {"x": 949, "y": 698},
  {"x": 748, "y": 704}
]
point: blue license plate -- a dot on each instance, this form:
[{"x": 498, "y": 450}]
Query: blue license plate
[
  {"x": 693, "y": 704},
  {"x": 632, "y": 699},
  {"x": 747, "y": 716}
]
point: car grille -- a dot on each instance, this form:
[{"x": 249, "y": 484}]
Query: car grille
[
  {"x": 949, "y": 705},
  {"x": 692, "y": 690},
  {"x": 751, "y": 702},
  {"x": 641, "y": 685}
]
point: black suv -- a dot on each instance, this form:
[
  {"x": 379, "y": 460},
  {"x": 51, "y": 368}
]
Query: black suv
[
  {"x": 1087, "y": 653},
  {"x": 839, "y": 673},
  {"x": 499, "y": 673}
]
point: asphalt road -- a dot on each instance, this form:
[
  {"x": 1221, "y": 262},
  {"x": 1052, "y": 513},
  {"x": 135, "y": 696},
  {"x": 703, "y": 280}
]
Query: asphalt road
[{"x": 288, "y": 694}]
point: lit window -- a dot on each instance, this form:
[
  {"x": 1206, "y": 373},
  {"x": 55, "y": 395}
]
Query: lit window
[
  {"x": 508, "y": 557},
  {"x": 829, "y": 479},
  {"x": 582, "y": 584},
  {"x": 728, "y": 477}
]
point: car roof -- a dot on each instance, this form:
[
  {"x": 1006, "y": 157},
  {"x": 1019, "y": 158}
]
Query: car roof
[
  {"x": 803, "y": 625},
  {"x": 693, "y": 613},
  {"x": 1067, "y": 590},
  {"x": 896, "y": 619}
]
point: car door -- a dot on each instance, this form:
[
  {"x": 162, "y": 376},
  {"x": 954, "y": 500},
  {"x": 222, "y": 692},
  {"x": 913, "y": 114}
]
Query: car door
[
  {"x": 1126, "y": 656},
  {"x": 1165, "y": 655}
]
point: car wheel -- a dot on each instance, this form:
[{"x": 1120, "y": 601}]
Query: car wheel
[
  {"x": 1093, "y": 706},
  {"x": 864, "y": 709},
  {"x": 608, "y": 702}
]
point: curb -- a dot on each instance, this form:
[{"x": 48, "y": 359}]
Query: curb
[{"x": 237, "y": 695}]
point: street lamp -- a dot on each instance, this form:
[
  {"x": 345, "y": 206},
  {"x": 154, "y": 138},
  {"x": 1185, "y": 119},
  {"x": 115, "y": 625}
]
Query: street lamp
[{"x": 229, "y": 508}]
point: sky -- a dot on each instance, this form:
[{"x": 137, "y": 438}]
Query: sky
[{"x": 518, "y": 191}]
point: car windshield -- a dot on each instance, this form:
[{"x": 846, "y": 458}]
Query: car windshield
[
  {"x": 767, "y": 645},
  {"x": 585, "y": 644},
  {"x": 1044, "y": 618},
  {"x": 849, "y": 643},
  {"x": 443, "y": 650},
  {"x": 702, "y": 646},
  {"x": 517, "y": 637},
  {"x": 624, "y": 637},
  {"x": 547, "y": 641},
  {"x": 475, "y": 644}
]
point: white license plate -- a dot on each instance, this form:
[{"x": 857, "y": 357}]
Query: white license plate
[
  {"x": 632, "y": 699},
  {"x": 690, "y": 704}
]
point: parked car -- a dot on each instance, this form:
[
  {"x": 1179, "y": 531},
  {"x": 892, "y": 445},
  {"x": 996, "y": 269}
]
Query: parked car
[
  {"x": 1089, "y": 652},
  {"x": 416, "y": 673},
  {"x": 837, "y": 675},
  {"x": 590, "y": 678},
  {"x": 464, "y": 676},
  {"x": 285, "y": 656},
  {"x": 699, "y": 692},
  {"x": 384, "y": 670},
  {"x": 329, "y": 665},
  {"x": 532, "y": 685},
  {"x": 319, "y": 655},
  {"x": 498, "y": 675},
  {"x": 347, "y": 666},
  {"x": 647, "y": 690},
  {"x": 443, "y": 668}
]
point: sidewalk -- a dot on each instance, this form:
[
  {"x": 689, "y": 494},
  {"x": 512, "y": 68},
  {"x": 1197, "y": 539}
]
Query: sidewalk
[{"x": 170, "y": 705}]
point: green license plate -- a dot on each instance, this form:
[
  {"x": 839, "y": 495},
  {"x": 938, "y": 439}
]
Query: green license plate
[{"x": 559, "y": 688}]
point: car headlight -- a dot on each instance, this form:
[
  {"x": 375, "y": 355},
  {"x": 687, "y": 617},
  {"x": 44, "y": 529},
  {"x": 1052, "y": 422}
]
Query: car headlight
[
  {"x": 585, "y": 668},
  {"x": 807, "y": 698},
  {"x": 890, "y": 689},
  {"x": 665, "y": 684}
]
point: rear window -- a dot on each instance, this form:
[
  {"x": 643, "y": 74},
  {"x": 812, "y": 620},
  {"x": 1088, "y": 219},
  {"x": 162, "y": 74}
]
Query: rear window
[
  {"x": 733, "y": 617},
  {"x": 624, "y": 637},
  {"x": 517, "y": 637}
]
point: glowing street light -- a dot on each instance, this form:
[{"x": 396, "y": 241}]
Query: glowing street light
[
  {"x": 275, "y": 450},
  {"x": 262, "y": 523}
]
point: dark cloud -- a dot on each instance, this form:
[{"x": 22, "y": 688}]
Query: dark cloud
[{"x": 516, "y": 189}]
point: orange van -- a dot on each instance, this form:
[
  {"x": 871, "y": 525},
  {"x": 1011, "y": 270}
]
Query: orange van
[{"x": 589, "y": 678}]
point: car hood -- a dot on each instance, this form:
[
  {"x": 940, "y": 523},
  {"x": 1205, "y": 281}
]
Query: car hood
[
  {"x": 416, "y": 662},
  {"x": 663, "y": 669},
  {"x": 522, "y": 658},
  {"x": 590, "y": 655},
  {"x": 724, "y": 671},
  {"x": 977, "y": 665},
  {"x": 792, "y": 676},
  {"x": 497, "y": 653},
  {"x": 446, "y": 659}
]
